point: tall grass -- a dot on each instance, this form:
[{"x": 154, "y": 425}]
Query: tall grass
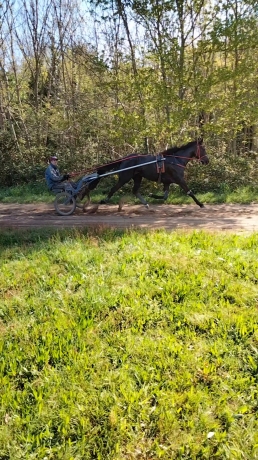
[{"x": 125, "y": 345}]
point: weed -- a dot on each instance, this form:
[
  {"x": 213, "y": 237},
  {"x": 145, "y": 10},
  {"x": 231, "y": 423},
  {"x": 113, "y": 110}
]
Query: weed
[{"x": 128, "y": 345}]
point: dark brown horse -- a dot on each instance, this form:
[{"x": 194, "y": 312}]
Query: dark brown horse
[{"x": 137, "y": 167}]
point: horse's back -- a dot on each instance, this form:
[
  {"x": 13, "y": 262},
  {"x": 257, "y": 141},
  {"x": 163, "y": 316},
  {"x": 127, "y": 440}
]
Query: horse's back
[
  {"x": 136, "y": 159},
  {"x": 138, "y": 165}
]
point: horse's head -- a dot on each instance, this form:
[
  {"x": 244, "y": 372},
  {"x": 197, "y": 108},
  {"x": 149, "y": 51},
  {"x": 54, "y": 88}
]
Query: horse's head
[{"x": 200, "y": 152}]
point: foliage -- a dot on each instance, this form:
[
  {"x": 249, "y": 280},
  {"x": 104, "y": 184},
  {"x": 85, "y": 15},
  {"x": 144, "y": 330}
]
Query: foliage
[
  {"x": 146, "y": 76},
  {"x": 128, "y": 345}
]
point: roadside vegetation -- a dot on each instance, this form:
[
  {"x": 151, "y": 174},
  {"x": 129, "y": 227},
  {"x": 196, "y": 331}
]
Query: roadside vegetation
[
  {"x": 124, "y": 77},
  {"x": 38, "y": 193},
  {"x": 222, "y": 181},
  {"x": 128, "y": 345}
]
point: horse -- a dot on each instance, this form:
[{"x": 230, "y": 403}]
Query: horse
[{"x": 167, "y": 168}]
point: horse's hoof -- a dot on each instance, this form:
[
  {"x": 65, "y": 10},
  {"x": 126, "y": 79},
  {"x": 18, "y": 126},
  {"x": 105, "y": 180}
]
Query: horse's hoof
[
  {"x": 121, "y": 204},
  {"x": 202, "y": 206},
  {"x": 147, "y": 206},
  {"x": 85, "y": 205},
  {"x": 102, "y": 202},
  {"x": 93, "y": 209}
]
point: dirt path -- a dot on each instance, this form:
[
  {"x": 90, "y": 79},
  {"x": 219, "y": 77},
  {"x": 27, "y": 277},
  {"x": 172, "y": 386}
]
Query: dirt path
[{"x": 234, "y": 218}]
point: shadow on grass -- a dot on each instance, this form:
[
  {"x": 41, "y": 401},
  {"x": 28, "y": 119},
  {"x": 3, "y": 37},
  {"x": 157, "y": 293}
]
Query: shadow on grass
[{"x": 13, "y": 243}]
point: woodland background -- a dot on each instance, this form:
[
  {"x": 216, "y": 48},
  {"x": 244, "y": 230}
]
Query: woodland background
[{"x": 93, "y": 81}]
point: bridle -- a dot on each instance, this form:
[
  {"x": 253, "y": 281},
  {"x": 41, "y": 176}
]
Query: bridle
[{"x": 198, "y": 153}]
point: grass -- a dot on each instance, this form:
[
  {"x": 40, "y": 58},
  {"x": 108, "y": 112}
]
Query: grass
[
  {"x": 26, "y": 193},
  {"x": 38, "y": 193},
  {"x": 127, "y": 345}
]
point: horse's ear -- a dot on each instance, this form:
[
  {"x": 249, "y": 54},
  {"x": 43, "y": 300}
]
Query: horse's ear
[{"x": 200, "y": 140}]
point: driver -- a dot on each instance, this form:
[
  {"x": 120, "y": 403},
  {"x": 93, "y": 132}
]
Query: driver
[{"x": 53, "y": 177}]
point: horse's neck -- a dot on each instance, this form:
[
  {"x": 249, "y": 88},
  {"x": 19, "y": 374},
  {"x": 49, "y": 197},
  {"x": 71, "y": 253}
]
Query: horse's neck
[{"x": 181, "y": 155}]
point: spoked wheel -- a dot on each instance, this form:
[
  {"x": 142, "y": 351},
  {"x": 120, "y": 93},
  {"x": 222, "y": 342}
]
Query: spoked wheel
[{"x": 65, "y": 204}]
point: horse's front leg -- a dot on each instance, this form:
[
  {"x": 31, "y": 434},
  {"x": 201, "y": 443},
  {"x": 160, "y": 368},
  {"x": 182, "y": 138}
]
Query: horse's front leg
[{"x": 189, "y": 192}]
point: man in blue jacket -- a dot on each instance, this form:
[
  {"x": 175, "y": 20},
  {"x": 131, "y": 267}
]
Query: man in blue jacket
[{"x": 53, "y": 177}]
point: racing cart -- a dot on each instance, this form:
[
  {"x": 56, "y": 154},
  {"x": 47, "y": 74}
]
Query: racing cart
[{"x": 68, "y": 200}]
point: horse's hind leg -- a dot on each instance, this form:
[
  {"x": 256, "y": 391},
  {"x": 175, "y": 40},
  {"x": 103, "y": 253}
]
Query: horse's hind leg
[
  {"x": 162, "y": 197},
  {"x": 113, "y": 190},
  {"x": 166, "y": 192},
  {"x": 137, "y": 183}
]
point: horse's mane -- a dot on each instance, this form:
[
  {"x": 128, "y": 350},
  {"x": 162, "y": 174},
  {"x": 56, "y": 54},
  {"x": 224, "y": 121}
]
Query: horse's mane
[{"x": 173, "y": 150}]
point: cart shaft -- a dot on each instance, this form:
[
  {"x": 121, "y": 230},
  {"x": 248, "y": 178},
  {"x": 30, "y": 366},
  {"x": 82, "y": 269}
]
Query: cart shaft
[{"x": 130, "y": 167}]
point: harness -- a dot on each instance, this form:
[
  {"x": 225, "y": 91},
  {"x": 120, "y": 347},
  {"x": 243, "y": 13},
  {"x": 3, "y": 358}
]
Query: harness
[
  {"x": 176, "y": 158},
  {"x": 160, "y": 165}
]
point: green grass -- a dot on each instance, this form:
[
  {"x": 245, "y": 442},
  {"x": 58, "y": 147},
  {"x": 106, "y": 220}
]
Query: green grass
[
  {"x": 125, "y": 345},
  {"x": 26, "y": 193},
  {"x": 38, "y": 193}
]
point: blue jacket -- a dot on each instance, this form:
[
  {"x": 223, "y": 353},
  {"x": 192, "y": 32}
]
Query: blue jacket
[{"x": 53, "y": 176}]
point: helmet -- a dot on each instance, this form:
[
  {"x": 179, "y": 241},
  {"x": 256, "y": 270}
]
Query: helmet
[{"x": 53, "y": 158}]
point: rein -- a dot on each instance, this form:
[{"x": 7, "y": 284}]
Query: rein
[
  {"x": 160, "y": 167},
  {"x": 93, "y": 168}
]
